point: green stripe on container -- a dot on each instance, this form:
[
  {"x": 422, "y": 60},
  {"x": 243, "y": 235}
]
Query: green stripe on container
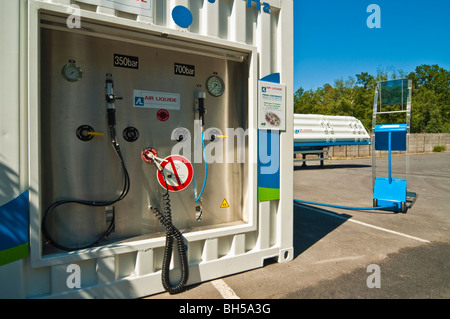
[
  {"x": 265, "y": 193},
  {"x": 12, "y": 254}
]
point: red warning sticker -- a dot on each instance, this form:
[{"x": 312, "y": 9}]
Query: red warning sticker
[{"x": 178, "y": 172}]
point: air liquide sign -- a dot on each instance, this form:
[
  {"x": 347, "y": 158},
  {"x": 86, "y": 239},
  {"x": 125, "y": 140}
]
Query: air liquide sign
[
  {"x": 141, "y": 7},
  {"x": 151, "y": 99}
]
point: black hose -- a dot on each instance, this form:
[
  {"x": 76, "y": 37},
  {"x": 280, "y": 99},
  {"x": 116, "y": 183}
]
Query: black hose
[
  {"x": 123, "y": 194},
  {"x": 172, "y": 233}
]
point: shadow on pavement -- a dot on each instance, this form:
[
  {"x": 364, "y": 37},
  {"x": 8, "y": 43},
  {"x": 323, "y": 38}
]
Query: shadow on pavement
[
  {"x": 331, "y": 166},
  {"x": 310, "y": 227}
]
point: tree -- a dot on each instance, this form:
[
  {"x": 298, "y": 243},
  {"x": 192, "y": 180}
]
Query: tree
[
  {"x": 355, "y": 96},
  {"x": 431, "y": 99},
  {"x": 365, "y": 79}
]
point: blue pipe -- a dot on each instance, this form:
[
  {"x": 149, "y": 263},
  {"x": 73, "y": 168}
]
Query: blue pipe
[
  {"x": 206, "y": 170},
  {"x": 345, "y": 207}
]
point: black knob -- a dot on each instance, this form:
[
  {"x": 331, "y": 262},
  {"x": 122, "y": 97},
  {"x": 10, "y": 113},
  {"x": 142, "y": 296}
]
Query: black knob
[
  {"x": 130, "y": 134},
  {"x": 83, "y": 132}
]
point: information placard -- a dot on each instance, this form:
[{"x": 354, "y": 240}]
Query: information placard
[{"x": 271, "y": 106}]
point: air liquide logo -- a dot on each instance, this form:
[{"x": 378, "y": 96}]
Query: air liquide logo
[{"x": 139, "y": 101}]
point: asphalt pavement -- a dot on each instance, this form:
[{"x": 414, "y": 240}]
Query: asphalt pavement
[{"x": 355, "y": 254}]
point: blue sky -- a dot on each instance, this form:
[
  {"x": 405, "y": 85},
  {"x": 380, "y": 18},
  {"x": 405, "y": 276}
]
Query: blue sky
[{"x": 332, "y": 39}]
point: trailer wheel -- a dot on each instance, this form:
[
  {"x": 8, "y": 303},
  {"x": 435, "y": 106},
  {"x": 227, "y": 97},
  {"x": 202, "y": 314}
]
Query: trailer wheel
[{"x": 404, "y": 209}]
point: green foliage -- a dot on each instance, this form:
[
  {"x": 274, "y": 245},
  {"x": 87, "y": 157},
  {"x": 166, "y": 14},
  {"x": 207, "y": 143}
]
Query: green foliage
[
  {"x": 439, "y": 148},
  {"x": 430, "y": 105}
]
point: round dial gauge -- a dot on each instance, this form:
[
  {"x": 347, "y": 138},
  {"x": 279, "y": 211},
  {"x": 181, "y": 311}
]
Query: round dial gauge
[
  {"x": 72, "y": 72},
  {"x": 215, "y": 86}
]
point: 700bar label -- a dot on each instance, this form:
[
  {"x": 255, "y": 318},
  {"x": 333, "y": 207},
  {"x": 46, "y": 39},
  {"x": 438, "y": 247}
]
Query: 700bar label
[
  {"x": 126, "y": 61},
  {"x": 184, "y": 69}
]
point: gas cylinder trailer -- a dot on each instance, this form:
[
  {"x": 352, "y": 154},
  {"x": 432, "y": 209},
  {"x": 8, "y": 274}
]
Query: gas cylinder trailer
[
  {"x": 315, "y": 133},
  {"x": 140, "y": 144}
]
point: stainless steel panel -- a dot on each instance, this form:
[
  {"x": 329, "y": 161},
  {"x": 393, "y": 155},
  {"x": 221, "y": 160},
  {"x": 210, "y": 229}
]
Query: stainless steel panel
[{"x": 90, "y": 170}]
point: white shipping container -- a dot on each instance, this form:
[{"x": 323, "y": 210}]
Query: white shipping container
[{"x": 78, "y": 77}]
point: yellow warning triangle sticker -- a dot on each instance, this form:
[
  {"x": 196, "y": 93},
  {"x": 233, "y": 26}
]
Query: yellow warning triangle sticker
[{"x": 224, "y": 204}]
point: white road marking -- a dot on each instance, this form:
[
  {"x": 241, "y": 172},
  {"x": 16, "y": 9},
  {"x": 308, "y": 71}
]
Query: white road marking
[
  {"x": 339, "y": 259},
  {"x": 224, "y": 289},
  {"x": 368, "y": 225}
]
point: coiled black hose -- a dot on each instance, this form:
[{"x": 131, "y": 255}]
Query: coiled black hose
[
  {"x": 124, "y": 192},
  {"x": 172, "y": 233}
]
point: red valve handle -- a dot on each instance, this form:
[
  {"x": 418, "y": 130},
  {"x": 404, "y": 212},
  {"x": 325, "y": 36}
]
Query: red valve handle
[{"x": 145, "y": 154}]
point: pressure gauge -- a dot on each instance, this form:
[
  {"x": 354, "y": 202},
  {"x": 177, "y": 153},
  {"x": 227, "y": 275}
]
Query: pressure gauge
[
  {"x": 72, "y": 72},
  {"x": 215, "y": 85}
]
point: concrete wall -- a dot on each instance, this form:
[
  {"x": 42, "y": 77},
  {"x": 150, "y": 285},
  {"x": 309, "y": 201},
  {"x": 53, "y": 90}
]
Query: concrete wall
[{"x": 418, "y": 143}]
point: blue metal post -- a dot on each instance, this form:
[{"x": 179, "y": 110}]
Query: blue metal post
[{"x": 389, "y": 150}]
